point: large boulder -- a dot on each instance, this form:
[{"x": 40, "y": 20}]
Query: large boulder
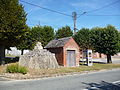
[{"x": 38, "y": 58}]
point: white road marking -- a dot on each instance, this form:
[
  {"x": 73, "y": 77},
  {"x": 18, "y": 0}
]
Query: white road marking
[
  {"x": 93, "y": 88},
  {"x": 116, "y": 82}
]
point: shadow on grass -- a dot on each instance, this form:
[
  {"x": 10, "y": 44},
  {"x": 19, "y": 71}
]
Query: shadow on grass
[
  {"x": 99, "y": 62},
  {"x": 103, "y": 85}
]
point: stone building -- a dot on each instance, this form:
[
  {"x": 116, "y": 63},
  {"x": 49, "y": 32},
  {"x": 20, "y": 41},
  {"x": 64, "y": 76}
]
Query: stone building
[{"x": 66, "y": 51}]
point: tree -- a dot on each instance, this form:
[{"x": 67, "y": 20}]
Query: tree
[
  {"x": 36, "y": 32},
  {"x": 12, "y": 24},
  {"x": 119, "y": 41},
  {"x": 47, "y": 35},
  {"x": 30, "y": 39},
  {"x": 43, "y": 34},
  {"x": 26, "y": 43},
  {"x": 105, "y": 40},
  {"x": 82, "y": 37},
  {"x": 64, "y": 32}
]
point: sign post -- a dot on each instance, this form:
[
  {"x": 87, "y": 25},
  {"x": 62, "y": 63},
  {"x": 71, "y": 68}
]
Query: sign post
[{"x": 87, "y": 54}]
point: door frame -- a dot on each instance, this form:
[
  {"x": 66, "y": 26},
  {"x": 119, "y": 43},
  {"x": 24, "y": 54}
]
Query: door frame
[{"x": 67, "y": 64}]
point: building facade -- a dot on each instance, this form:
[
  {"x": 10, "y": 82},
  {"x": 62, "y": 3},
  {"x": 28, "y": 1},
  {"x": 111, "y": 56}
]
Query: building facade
[{"x": 66, "y": 51}]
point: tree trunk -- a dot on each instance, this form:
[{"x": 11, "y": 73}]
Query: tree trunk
[
  {"x": 2, "y": 54},
  {"x": 109, "y": 60},
  {"x": 22, "y": 51},
  {"x": 100, "y": 55}
]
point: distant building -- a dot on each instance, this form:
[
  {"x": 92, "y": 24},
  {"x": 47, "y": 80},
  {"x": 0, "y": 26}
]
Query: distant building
[
  {"x": 14, "y": 51},
  {"x": 66, "y": 51},
  {"x": 98, "y": 55}
]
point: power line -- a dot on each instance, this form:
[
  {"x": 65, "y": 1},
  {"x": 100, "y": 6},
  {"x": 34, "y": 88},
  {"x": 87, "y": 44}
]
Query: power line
[
  {"x": 112, "y": 3},
  {"x": 105, "y": 6},
  {"x": 75, "y": 15},
  {"x": 54, "y": 12},
  {"x": 46, "y": 8},
  {"x": 102, "y": 15},
  {"x": 81, "y": 14}
]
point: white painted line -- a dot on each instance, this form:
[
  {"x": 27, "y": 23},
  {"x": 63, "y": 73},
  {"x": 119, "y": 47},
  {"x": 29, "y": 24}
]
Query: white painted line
[
  {"x": 92, "y": 88},
  {"x": 116, "y": 81}
]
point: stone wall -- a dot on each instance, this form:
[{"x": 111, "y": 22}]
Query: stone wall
[{"x": 38, "y": 59}]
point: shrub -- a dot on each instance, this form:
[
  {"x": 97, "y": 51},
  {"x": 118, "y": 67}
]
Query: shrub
[{"x": 15, "y": 68}]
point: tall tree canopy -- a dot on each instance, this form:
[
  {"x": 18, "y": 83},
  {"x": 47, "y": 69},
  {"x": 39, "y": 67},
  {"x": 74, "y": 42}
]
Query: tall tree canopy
[
  {"x": 12, "y": 23},
  {"x": 119, "y": 41},
  {"x": 47, "y": 35},
  {"x": 82, "y": 37},
  {"x": 64, "y": 32},
  {"x": 36, "y": 32},
  {"x": 27, "y": 43},
  {"x": 106, "y": 40},
  {"x": 43, "y": 34}
]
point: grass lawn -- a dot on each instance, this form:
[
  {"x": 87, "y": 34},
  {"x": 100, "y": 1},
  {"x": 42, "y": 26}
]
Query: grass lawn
[
  {"x": 8, "y": 55},
  {"x": 33, "y": 73}
]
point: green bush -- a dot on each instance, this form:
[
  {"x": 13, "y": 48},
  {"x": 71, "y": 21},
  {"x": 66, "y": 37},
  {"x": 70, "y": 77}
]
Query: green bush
[{"x": 15, "y": 68}]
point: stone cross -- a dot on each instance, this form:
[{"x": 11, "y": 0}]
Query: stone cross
[{"x": 38, "y": 46}]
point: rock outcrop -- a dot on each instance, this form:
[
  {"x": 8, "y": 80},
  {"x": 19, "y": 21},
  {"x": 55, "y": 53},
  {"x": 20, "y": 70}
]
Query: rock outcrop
[{"x": 38, "y": 58}]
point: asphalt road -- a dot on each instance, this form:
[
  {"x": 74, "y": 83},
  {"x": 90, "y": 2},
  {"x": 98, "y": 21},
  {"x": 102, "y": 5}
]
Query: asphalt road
[{"x": 103, "y": 80}]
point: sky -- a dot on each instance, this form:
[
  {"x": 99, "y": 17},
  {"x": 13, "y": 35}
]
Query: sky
[{"x": 38, "y": 16}]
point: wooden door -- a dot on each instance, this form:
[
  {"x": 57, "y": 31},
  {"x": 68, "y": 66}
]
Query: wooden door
[{"x": 71, "y": 60}]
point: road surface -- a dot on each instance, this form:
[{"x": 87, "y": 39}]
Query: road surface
[{"x": 102, "y": 80}]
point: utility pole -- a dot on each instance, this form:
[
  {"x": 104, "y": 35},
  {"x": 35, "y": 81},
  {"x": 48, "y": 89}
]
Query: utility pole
[
  {"x": 39, "y": 23},
  {"x": 74, "y": 15}
]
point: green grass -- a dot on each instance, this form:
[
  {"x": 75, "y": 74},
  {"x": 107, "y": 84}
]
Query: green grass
[
  {"x": 16, "y": 68},
  {"x": 8, "y": 55}
]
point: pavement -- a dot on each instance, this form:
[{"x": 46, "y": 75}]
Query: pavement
[
  {"x": 3, "y": 79},
  {"x": 102, "y": 80}
]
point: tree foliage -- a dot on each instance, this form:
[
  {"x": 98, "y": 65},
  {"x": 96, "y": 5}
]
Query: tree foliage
[
  {"x": 43, "y": 34},
  {"x": 119, "y": 41},
  {"x": 105, "y": 40},
  {"x": 27, "y": 43},
  {"x": 82, "y": 37},
  {"x": 64, "y": 32},
  {"x": 47, "y": 35},
  {"x": 36, "y": 34},
  {"x": 12, "y": 22}
]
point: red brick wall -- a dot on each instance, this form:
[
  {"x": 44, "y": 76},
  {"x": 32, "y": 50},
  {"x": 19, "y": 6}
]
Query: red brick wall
[
  {"x": 71, "y": 45},
  {"x": 97, "y": 55},
  {"x": 61, "y": 52}
]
